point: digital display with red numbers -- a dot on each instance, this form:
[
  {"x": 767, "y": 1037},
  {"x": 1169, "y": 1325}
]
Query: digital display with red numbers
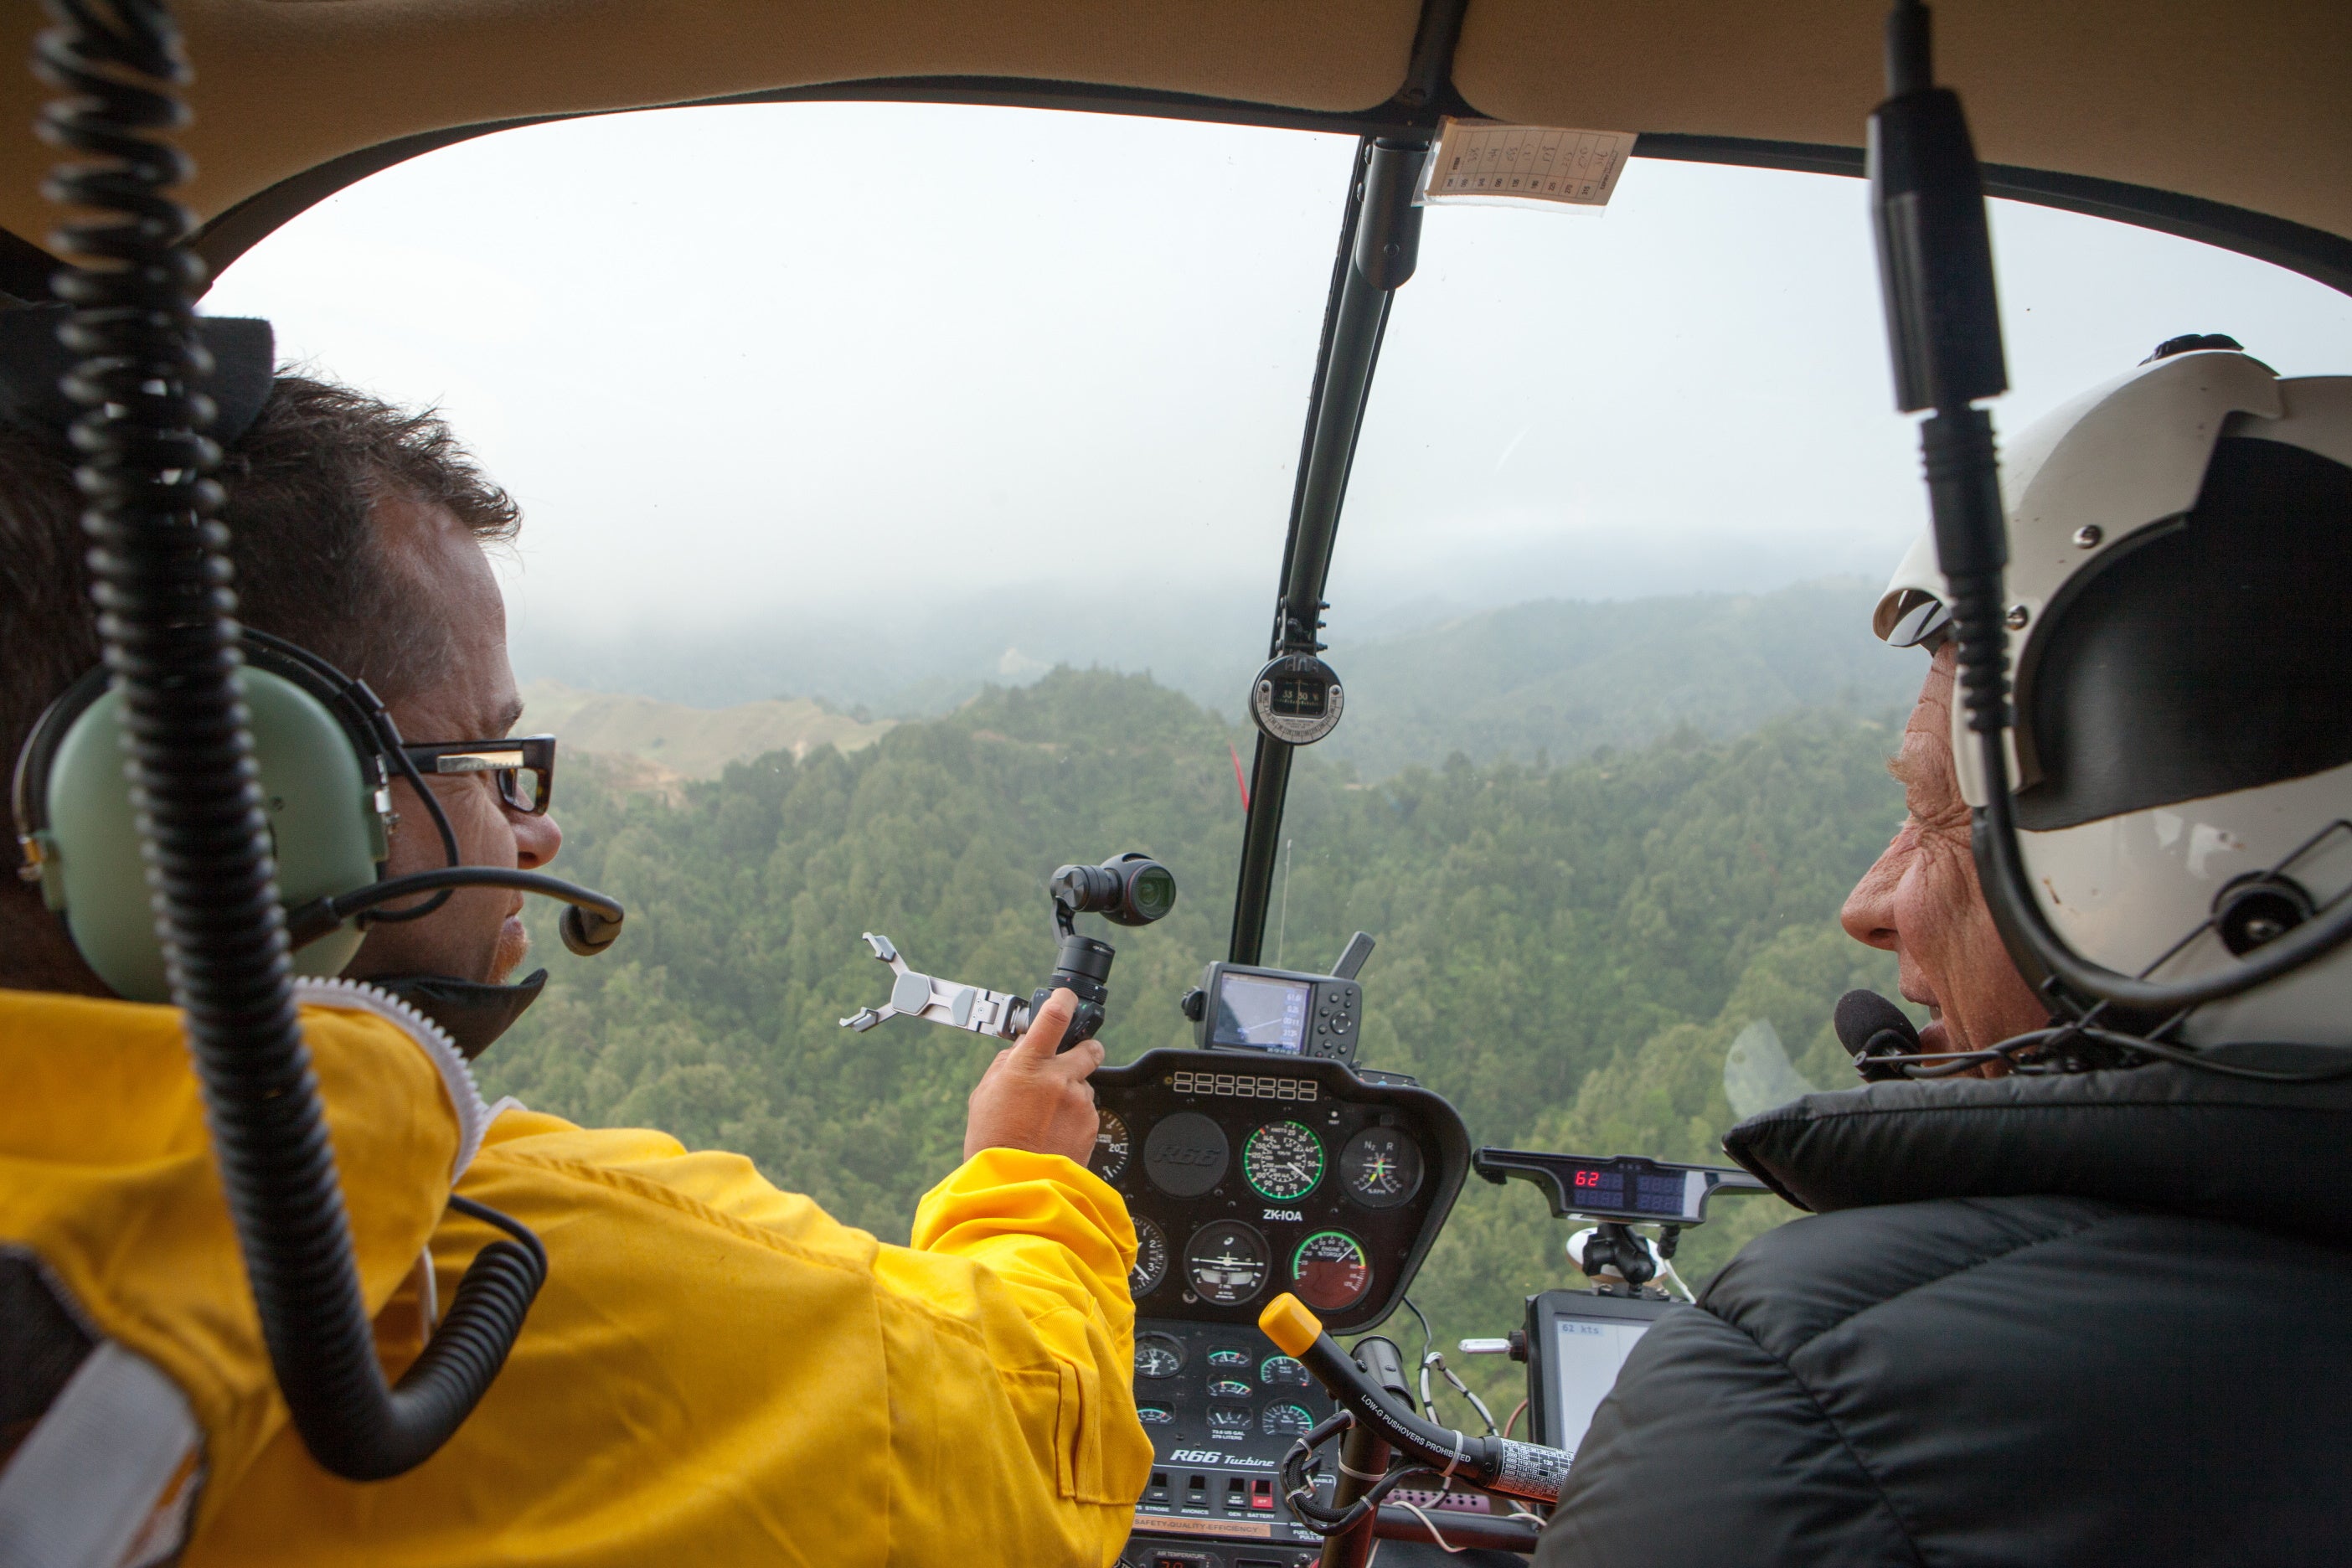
[{"x": 1607, "y": 1187}]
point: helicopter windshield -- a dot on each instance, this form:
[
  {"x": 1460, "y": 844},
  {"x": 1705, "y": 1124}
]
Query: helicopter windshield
[{"x": 907, "y": 487}]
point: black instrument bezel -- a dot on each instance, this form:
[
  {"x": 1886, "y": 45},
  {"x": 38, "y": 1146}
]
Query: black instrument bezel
[{"x": 1437, "y": 1128}]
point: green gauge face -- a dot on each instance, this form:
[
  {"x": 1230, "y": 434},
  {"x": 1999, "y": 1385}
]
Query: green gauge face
[
  {"x": 1283, "y": 1161},
  {"x": 1150, "y": 1260},
  {"x": 1330, "y": 1272},
  {"x": 1109, "y": 1160},
  {"x": 1282, "y": 1372}
]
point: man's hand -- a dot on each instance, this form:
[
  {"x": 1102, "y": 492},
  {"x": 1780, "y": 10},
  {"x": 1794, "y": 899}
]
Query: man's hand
[{"x": 1031, "y": 1098}]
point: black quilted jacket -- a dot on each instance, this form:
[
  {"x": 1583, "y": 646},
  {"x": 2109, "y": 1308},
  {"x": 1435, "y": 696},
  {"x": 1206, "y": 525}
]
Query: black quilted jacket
[{"x": 2098, "y": 1319}]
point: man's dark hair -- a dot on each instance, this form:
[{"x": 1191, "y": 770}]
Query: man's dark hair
[{"x": 303, "y": 481}]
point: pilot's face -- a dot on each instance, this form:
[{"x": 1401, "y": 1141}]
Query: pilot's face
[
  {"x": 1921, "y": 901},
  {"x": 477, "y": 935}
]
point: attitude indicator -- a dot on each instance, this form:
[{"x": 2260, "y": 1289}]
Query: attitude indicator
[{"x": 1226, "y": 1263}]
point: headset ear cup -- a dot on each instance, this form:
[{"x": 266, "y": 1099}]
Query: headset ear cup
[{"x": 319, "y": 791}]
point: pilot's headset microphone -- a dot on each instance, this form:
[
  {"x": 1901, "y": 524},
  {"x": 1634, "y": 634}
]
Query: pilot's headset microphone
[{"x": 326, "y": 750}]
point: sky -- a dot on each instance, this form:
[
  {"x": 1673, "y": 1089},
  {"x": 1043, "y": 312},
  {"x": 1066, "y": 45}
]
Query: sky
[{"x": 873, "y": 372}]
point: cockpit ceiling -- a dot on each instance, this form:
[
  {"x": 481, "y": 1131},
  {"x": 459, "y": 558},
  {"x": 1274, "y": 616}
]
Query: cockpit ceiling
[{"x": 2241, "y": 103}]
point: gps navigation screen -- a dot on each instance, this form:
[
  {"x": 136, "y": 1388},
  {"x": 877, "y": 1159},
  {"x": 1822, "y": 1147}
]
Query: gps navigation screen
[
  {"x": 1586, "y": 1357},
  {"x": 1260, "y": 1015}
]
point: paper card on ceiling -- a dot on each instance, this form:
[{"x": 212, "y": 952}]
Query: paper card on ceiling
[{"x": 1479, "y": 162}]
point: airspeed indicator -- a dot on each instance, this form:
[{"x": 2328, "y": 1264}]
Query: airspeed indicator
[{"x": 1283, "y": 1161}]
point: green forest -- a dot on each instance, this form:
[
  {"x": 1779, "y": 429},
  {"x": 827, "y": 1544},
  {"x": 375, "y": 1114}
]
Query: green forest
[{"x": 1566, "y": 951}]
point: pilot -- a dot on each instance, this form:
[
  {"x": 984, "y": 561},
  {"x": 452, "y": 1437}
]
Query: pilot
[
  {"x": 2086, "y": 1311},
  {"x": 715, "y": 1370}
]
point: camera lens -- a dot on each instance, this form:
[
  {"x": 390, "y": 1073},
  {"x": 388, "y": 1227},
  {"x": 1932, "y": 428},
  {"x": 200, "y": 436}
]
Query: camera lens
[{"x": 1151, "y": 893}]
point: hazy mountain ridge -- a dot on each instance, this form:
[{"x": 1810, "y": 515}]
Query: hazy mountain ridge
[
  {"x": 1556, "y": 678},
  {"x": 1567, "y": 677}
]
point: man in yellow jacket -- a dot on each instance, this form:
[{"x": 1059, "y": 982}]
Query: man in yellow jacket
[{"x": 716, "y": 1371}]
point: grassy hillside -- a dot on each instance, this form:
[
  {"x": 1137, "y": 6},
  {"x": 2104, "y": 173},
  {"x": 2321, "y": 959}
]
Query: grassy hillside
[
  {"x": 1566, "y": 951},
  {"x": 690, "y": 743}
]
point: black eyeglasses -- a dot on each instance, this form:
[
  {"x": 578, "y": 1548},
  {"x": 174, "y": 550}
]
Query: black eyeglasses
[{"x": 524, "y": 766}]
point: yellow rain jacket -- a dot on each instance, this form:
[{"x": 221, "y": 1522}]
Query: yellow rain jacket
[{"x": 715, "y": 1372}]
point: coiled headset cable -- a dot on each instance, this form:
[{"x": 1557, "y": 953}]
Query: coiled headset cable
[{"x": 159, "y": 579}]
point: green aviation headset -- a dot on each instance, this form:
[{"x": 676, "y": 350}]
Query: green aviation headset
[
  {"x": 326, "y": 752},
  {"x": 323, "y": 785},
  {"x": 324, "y": 747}
]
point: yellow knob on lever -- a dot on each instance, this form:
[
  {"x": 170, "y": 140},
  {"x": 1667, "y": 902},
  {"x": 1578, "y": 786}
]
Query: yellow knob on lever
[{"x": 1288, "y": 1324}]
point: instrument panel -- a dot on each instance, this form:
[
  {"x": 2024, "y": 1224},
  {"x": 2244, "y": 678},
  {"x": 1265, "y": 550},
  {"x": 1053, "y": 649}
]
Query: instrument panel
[{"x": 1247, "y": 1174}]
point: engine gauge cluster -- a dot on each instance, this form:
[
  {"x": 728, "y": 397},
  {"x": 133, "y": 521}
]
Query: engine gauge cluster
[
  {"x": 1248, "y": 1175},
  {"x": 1305, "y": 1177}
]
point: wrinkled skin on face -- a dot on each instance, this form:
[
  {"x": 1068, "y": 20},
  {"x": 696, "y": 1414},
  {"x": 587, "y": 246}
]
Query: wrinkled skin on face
[
  {"x": 1921, "y": 900},
  {"x": 477, "y": 935}
]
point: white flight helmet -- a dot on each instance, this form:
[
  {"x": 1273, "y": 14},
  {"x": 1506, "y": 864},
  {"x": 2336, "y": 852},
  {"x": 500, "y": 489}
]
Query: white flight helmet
[{"x": 2179, "y": 588}]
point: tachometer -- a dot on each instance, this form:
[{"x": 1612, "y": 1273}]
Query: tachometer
[
  {"x": 1226, "y": 1263},
  {"x": 1150, "y": 1260},
  {"x": 1329, "y": 1270},
  {"x": 1381, "y": 1167},
  {"x": 1110, "y": 1146},
  {"x": 1283, "y": 1161}
]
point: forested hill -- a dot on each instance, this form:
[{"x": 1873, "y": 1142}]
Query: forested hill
[
  {"x": 1559, "y": 677},
  {"x": 1563, "y": 676},
  {"x": 1564, "y": 952}
]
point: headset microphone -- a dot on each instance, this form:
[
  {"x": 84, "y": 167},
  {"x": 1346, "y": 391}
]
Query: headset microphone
[
  {"x": 1877, "y": 1035},
  {"x": 326, "y": 752},
  {"x": 591, "y": 924}
]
